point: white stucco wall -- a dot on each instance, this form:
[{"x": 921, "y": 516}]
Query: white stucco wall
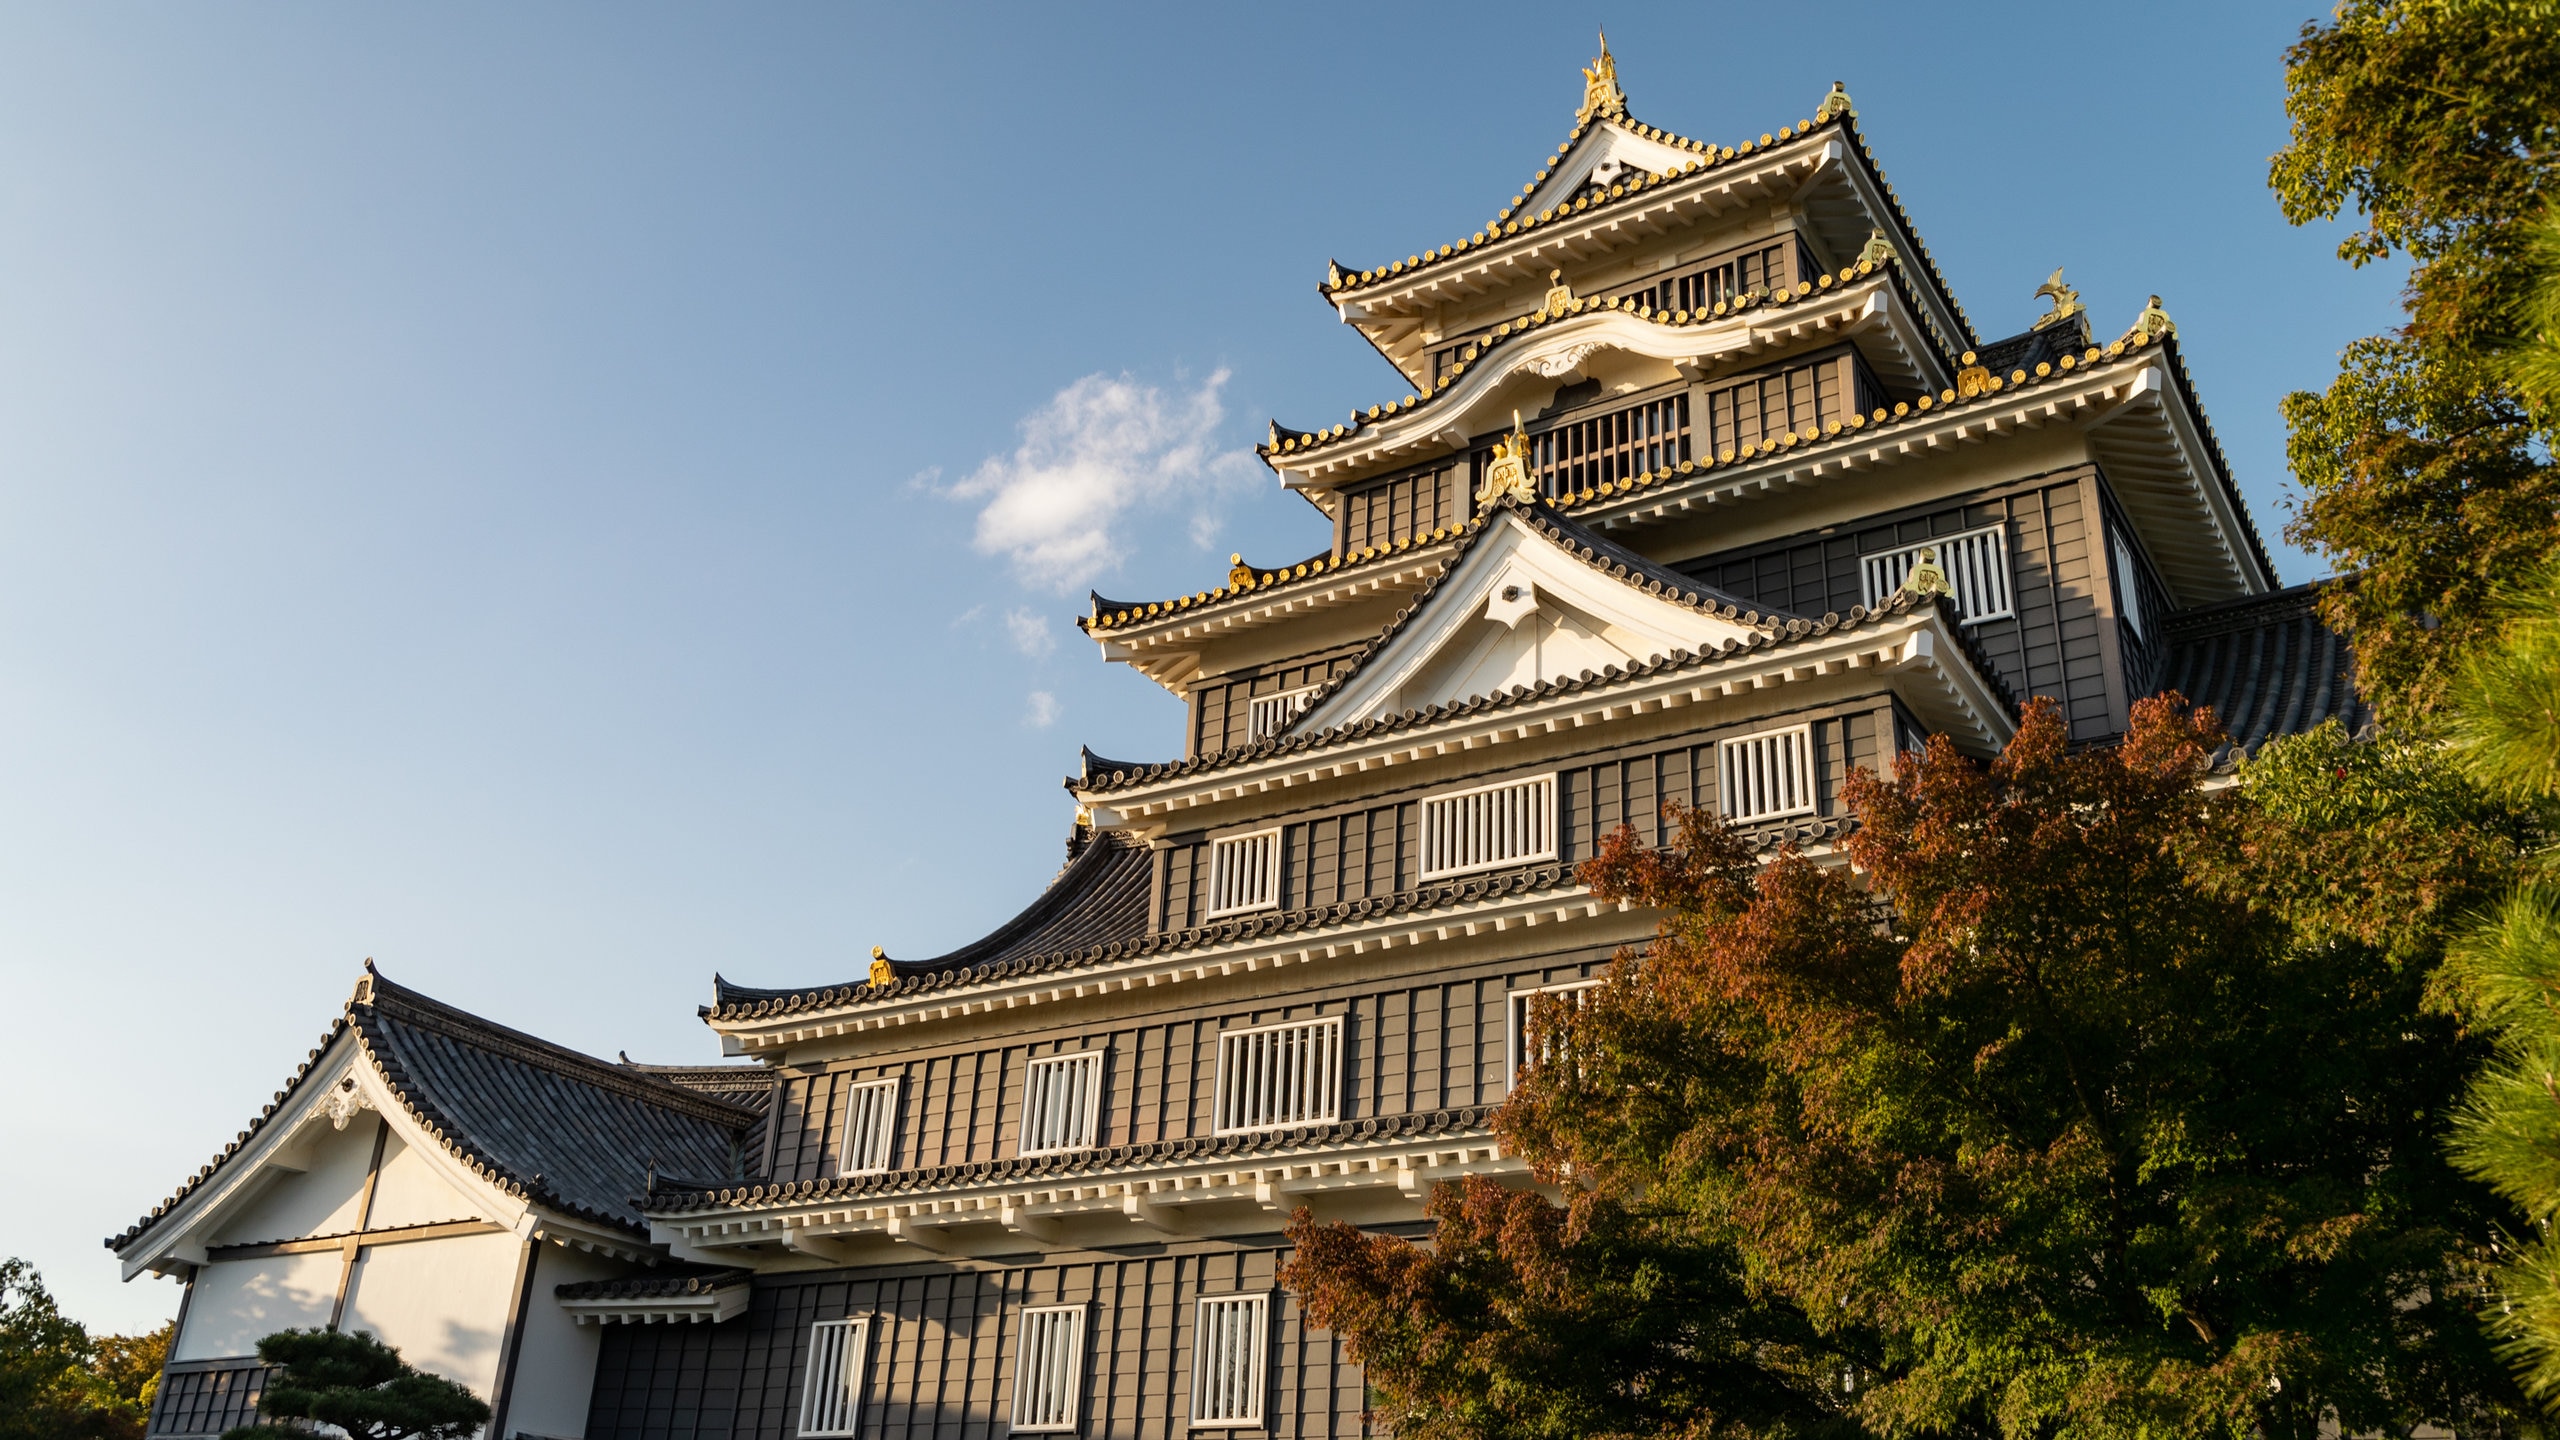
[
  {"x": 441, "y": 1303},
  {"x": 556, "y": 1370},
  {"x": 321, "y": 1200},
  {"x": 237, "y": 1302},
  {"x": 413, "y": 1190}
]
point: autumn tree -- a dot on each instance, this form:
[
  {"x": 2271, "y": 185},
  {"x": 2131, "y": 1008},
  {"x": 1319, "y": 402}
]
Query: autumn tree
[
  {"x": 57, "y": 1381},
  {"x": 2089, "y": 1104},
  {"x": 2428, "y": 476}
]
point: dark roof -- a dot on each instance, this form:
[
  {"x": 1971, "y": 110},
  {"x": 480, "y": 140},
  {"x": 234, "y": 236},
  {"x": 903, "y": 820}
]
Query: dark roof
[
  {"x": 2267, "y": 665},
  {"x": 1162, "y": 1152},
  {"x": 556, "y": 1128},
  {"x": 2030, "y": 348},
  {"x": 666, "y": 1282},
  {"x": 1099, "y": 899},
  {"x": 748, "y": 1085}
]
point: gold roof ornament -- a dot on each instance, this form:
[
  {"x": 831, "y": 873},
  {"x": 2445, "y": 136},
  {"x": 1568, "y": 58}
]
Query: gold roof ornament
[
  {"x": 1239, "y": 574},
  {"x": 2066, "y": 301},
  {"x": 1508, "y": 472},
  {"x": 1835, "y": 103},
  {"x": 882, "y": 976},
  {"x": 2152, "y": 324},
  {"x": 1332, "y": 275},
  {"x": 1559, "y": 294},
  {"x": 1927, "y": 579},
  {"x": 1600, "y": 93},
  {"x": 1878, "y": 251}
]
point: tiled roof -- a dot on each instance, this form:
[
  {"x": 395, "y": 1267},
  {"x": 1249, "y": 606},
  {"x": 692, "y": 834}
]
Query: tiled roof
[
  {"x": 1110, "y": 614},
  {"x": 667, "y": 1282},
  {"x": 1503, "y": 226},
  {"x": 544, "y": 1123},
  {"x": 1164, "y": 1152},
  {"x": 748, "y": 1085},
  {"x": 2266, "y": 664},
  {"x": 1099, "y": 899}
]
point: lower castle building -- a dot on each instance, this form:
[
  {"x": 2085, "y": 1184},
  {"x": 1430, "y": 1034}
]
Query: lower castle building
[{"x": 1704, "y": 488}]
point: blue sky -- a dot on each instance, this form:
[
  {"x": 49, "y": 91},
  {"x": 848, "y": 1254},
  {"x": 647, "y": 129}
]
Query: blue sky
[{"x": 565, "y": 500}]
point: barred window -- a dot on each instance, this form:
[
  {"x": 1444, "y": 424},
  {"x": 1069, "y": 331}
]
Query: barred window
[
  {"x": 1523, "y": 1009},
  {"x": 1272, "y": 713},
  {"x": 1488, "y": 826},
  {"x": 1275, "y": 1076},
  {"x": 1227, "y": 1347},
  {"x": 1061, "y": 1103},
  {"x": 1048, "y": 1368},
  {"x": 1244, "y": 873},
  {"x": 831, "y": 1398},
  {"x": 1765, "y": 776},
  {"x": 1977, "y": 566},
  {"x": 870, "y": 1126}
]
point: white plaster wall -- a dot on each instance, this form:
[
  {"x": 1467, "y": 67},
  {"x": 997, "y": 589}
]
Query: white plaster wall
[
  {"x": 441, "y": 1303},
  {"x": 321, "y": 1200},
  {"x": 556, "y": 1370},
  {"x": 412, "y": 1190},
  {"x": 239, "y": 1302}
]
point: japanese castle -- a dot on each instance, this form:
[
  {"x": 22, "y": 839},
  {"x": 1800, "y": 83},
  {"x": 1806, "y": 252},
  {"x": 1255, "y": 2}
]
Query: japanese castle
[{"x": 1696, "y": 484}]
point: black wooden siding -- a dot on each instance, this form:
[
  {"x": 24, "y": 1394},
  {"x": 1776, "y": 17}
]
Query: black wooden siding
[
  {"x": 1401, "y": 507},
  {"x": 1361, "y": 851},
  {"x": 2057, "y": 574},
  {"x": 1421, "y": 1045},
  {"x": 941, "y": 1353},
  {"x": 1222, "y": 709}
]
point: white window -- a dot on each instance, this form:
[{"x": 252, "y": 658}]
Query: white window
[
  {"x": 2127, "y": 586},
  {"x": 1048, "y": 1368},
  {"x": 1761, "y": 777},
  {"x": 1272, "y": 713},
  {"x": 1977, "y": 566},
  {"x": 1275, "y": 1076},
  {"x": 1244, "y": 873},
  {"x": 870, "y": 1126},
  {"x": 1061, "y": 1103},
  {"x": 1491, "y": 825},
  {"x": 1522, "y": 1002},
  {"x": 831, "y": 1400},
  {"x": 1226, "y": 1360}
]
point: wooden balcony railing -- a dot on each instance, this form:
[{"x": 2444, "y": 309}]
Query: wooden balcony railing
[{"x": 1581, "y": 453}]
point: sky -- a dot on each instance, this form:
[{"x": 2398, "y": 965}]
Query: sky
[{"x": 564, "y": 500}]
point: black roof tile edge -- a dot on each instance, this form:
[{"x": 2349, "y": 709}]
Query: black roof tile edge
[
  {"x": 656, "y": 1285},
  {"x": 283, "y": 1098},
  {"x": 666, "y": 1200},
  {"x": 2246, "y": 613}
]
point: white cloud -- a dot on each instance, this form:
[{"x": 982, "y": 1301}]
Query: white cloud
[
  {"x": 1101, "y": 451},
  {"x": 1029, "y": 631},
  {"x": 1044, "y": 710}
]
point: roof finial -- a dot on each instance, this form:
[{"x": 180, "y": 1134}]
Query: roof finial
[
  {"x": 1601, "y": 96},
  {"x": 1834, "y": 104},
  {"x": 1506, "y": 475},
  {"x": 1239, "y": 574},
  {"x": 1927, "y": 579},
  {"x": 2066, "y": 301},
  {"x": 1879, "y": 250},
  {"x": 1559, "y": 294},
  {"x": 2152, "y": 324},
  {"x": 882, "y": 976}
]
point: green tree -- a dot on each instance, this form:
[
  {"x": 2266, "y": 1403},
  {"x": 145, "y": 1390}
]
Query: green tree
[
  {"x": 52, "y": 1385},
  {"x": 2428, "y": 478},
  {"x": 2124, "y": 1120},
  {"x": 360, "y": 1385}
]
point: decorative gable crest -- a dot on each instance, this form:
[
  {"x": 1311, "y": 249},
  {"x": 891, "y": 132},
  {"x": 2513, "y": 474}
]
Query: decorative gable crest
[{"x": 1601, "y": 96}]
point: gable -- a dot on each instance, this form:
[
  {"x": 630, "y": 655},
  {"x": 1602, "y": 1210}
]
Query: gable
[
  {"x": 1518, "y": 609},
  {"x": 1607, "y": 154}
]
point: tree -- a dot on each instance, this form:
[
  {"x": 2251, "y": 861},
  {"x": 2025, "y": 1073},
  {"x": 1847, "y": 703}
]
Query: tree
[
  {"x": 2428, "y": 478},
  {"x": 361, "y": 1386},
  {"x": 2091, "y": 1104},
  {"x": 54, "y": 1385}
]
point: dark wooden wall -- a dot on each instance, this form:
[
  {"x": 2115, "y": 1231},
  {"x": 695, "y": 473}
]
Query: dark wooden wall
[
  {"x": 1366, "y": 849},
  {"x": 940, "y": 1365},
  {"x": 1401, "y": 507},
  {"x": 2057, "y": 572},
  {"x": 1222, "y": 709},
  {"x": 1410, "y": 1047}
]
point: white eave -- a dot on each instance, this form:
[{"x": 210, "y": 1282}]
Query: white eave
[
  {"x": 1166, "y": 647},
  {"x": 709, "y": 1307}
]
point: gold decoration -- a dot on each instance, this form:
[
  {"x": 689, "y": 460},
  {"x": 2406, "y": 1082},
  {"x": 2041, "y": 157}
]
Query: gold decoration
[
  {"x": 1240, "y": 575},
  {"x": 1559, "y": 294},
  {"x": 1600, "y": 93},
  {"x": 882, "y": 976},
  {"x": 2152, "y": 324},
  {"x": 1508, "y": 472},
  {"x": 1972, "y": 380},
  {"x": 2066, "y": 301},
  {"x": 1926, "y": 579},
  {"x": 1835, "y": 103}
]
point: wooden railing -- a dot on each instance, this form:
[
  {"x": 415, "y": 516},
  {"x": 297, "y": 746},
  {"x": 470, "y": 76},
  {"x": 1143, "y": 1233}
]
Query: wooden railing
[
  {"x": 1765, "y": 266},
  {"x": 1580, "y": 454}
]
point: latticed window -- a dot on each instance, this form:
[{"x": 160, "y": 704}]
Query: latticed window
[
  {"x": 1061, "y": 1103},
  {"x": 1271, "y": 713},
  {"x": 1048, "y": 1368},
  {"x": 1765, "y": 776},
  {"x": 1506, "y": 824},
  {"x": 1244, "y": 873},
  {"x": 1524, "y": 1012},
  {"x": 831, "y": 1397},
  {"x": 870, "y": 1126},
  {"x": 1227, "y": 1360},
  {"x": 1977, "y": 566},
  {"x": 1274, "y": 1076},
  {"x": 1579, "y": 455},
  {"x": 2127, "y": 586}
]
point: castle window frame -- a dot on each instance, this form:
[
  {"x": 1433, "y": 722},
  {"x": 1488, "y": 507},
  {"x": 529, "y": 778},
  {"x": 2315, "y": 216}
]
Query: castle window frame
[
  {"x": 1766, "y": 775},
  {"x": 2128, "y": 584},
  {"x": 870, "y": 1126},
  {"x": 1230, "y": 1353},
  {"x": 1488, "y": 827},
  {"x": 1048, "y": 1370},
  {"x": 1977, "y": 566},
  {"x": 1244, "y": 874},
  {"x": 1267, "y": 715},
  {"x": 1521, "y": 1000},
  {"x": 831, "y": 1393},
  {"x": 1061, "y": 1103},
  {"x": 1277, "y": 1077}
]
